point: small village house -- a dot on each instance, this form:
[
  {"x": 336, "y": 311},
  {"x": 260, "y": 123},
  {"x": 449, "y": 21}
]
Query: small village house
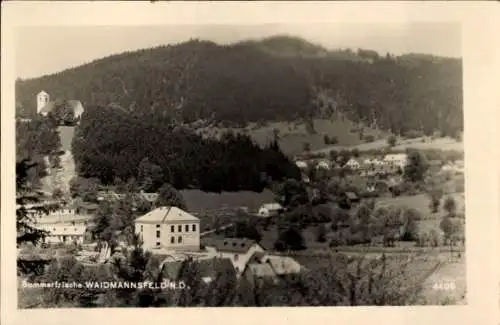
[
  {"x": 270, "y": 210},
  {"x": 398, "y": 160},
  {"x": 301, "y": 164},
  {"x": 238, "y": 250},
  {"x": 352, "y": 164},
  {"x": 169, "y": 228},
  {"x": 323, "y": 164},
  {"x": 208, "y": 269}
]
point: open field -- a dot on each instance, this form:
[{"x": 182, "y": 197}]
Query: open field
[
  {"x": 198, "y": 201},
  {"x": 446, "y": 144},
  {"x": 421, "y": 203}
]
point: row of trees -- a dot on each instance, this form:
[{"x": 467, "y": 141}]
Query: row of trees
[
  {"x": 113, "y": 146},
  {"x": 244, "y": 83}
]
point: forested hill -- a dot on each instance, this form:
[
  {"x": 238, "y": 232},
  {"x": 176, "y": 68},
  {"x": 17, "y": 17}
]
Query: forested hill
[{"x": 275, "y": 79}]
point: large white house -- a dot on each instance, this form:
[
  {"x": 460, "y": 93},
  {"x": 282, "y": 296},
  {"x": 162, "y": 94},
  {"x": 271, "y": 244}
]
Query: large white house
[
  {"x": 63, "y": 233},
  {"x": 169, "y": 228}
]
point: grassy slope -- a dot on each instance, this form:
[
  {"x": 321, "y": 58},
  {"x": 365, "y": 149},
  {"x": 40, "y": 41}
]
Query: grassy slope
[{"x": 293, "y": 134}]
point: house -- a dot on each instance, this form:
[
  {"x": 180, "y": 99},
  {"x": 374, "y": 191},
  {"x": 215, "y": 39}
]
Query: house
[
  {"x": 63, "y": 233},
  {"x": 270, "y": 210},
  {"x": 44, "y": 106},
  {"x": 149, "y": 197},
  {"x": 323, "y": 164},
  {"x": 352, "y": 164},
  {"x": 351, "y": 197},
  {"x": 238, "y": 250},
  {"x": 301, "y": 164},
  {"x": 169, "y": 228},
  {"x": 271, "y": 267},
  {"x": 399, "y": 160}
]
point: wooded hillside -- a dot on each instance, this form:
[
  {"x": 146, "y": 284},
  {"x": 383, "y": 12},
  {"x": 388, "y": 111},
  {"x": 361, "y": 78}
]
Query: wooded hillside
[{"x": 276, "y": 79}]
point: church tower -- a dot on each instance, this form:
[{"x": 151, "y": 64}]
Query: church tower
[{"x": 42, "y": 99}]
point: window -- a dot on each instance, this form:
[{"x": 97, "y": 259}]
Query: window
[
  {"x": 179, "y": 239},
  {"x": 157, "y": 234},
  {"x": 179, "y": 228},
  {"x": 194, "y": 227},
  {"x": 172, "y": 240},
  {"x": 157, "y": 226},
  {"x": 186, "y": 229},
  {"x": 235, "y": 257},
  {"x": 157, "y": 243},
  {"x": 172, "y": 228}
]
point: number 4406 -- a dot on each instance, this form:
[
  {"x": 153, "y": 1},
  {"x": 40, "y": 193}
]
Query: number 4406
[{"x": 444, "y": 285}]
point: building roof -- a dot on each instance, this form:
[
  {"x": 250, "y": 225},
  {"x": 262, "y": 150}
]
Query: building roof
[
  {"x": 283, "y": 264},
  {"x": 260, "y": 270},
  {"x": 351, "y": 195},
  {"x": 301, "y": 164},
  {"x": 395, "y": 156},
  {"x": 236, "y": 245},
  {"x": 164, "y": 214},
  {"x": 63, "y": 229},
  {"x": 150, "y": 197},
  {"x": 272, "y": 206}
]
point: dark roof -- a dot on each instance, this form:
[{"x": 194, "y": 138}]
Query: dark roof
[{"x": 237, "y": 245}]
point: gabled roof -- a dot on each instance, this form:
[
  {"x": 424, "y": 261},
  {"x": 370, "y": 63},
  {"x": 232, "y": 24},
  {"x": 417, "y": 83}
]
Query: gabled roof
[
  {"x": 164, "y": 214},
  {"x": 272, "y": 206},
  {"x": 261, "y": 270},
  {"x": 283, "y": 264},
  {"x": 237, "y": 245}
]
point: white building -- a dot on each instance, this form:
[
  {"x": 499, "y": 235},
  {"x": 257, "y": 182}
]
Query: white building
[
  {"x": 301, "y": 164},
  {"x": 238, "y": 250},
  {"x": 42, "y": 99},
  {"x": 352, "y": 164},
  {"x": 325, "y": 165},
  {"x": 169, "y": 228},
  {"x": 63, "y": 233},
  {"x": 270, "y": 209},
  {"x": 399, "y": 160}
]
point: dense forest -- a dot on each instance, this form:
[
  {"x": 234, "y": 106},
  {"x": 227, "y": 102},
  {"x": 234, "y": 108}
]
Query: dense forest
[
  {"x": 35, "y": 140},
  {"x": 112, "y": 145},
  {"x": 275, "y": 79}
]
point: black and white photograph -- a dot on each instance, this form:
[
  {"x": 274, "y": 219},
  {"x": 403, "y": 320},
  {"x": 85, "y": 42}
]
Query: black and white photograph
[{"x": 240, "y": 165}]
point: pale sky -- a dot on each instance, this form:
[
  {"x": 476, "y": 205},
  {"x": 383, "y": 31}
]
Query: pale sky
[{"x": 46, "y": 50}]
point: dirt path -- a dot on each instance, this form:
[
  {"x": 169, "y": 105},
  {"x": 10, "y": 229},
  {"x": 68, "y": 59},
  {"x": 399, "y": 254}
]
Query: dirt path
[{"x": 59, "y": 178}]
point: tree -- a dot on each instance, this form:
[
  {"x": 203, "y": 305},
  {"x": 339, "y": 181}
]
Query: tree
[
  {"x": 306, "y": 146},
  {"x": 29, "y": 205},
  {"x": 450, "y": 206},
  {"x": 293, "y": 193},
  {"x": 290, "y": 239},
  {"x": 57, "y": 194},
  {"x": 435, "y": 196},
  {"x": 169, "y": 196},
  {"x": 244, "y": 229},
  {"x": 326, "y": 139},
  {"x": 451, "y": 229},
  {"x": 321, "y": 233},
  {"x": 416, "y": 167},
  {"x": 391, "y": 141},
  {"x": 149, "y": 175}
]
